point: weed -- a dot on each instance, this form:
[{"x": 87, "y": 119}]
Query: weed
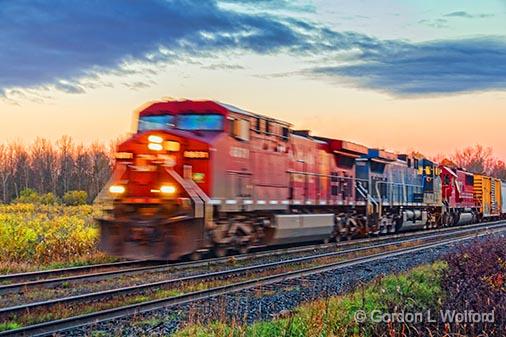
[{"x": 9, "y": 326}]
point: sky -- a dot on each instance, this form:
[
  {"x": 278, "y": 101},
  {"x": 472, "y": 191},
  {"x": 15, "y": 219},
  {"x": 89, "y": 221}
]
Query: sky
[{"x": 402, "y": 75}]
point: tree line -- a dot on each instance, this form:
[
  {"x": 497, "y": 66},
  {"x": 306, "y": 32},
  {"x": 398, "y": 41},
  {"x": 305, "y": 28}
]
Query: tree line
[
  {"x": 72, "y": 172},
  {"x": 53, "y": 169},
  {"x": 477, "y": 159}
]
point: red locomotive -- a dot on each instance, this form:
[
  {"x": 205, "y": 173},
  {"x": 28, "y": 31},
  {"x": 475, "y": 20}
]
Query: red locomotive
[{"x": 202, "y": 175}]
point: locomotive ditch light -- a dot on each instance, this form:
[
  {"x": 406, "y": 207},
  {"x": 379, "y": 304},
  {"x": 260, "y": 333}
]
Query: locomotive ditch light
[
  {"x": 155, "y": 146},
  {"x": 168, "y": 189},
  {"x": 172, "y": 146},
  {"x": 155, "y": 139},
  {"x": 117, "y": 189},
  {"x": 123, "y": 155}
]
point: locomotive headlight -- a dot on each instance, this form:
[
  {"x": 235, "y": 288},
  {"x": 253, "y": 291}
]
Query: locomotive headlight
[
  {"x": 117, "y": 189},
  {"x": 168, "y": 189},
  {"x": 155, "y": 147},
  {"x": 155, "y": 139}
]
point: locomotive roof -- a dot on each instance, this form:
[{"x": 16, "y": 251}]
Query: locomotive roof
[
  {"x": 206, "y": 106},
  {"x": 381, "y": 154}
]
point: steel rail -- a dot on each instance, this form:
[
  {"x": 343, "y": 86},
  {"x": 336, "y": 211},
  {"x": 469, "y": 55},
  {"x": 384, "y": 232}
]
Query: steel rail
[
  {"x": 48, "y": 282},
  {"x": 18, "y": 309},
  {"x": 57, "y": 326},
  {"x": 62, "y": 271}
]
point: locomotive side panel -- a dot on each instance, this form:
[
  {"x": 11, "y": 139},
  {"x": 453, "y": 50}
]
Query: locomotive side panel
[
  {"x": 231, "y": 170},
  {"x": 304, "y": 168},
  {"x": 300, "y": 227},
  {"x": 326, "y": 164}
]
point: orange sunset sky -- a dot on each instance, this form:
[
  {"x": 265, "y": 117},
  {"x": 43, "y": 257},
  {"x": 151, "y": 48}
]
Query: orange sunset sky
[{"x": 398, "y": 75}]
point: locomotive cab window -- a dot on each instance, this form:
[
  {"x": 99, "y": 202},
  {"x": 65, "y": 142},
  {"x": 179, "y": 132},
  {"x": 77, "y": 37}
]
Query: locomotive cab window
[
  {"x": 200, "y": 122},
  {"x": 345, "y": 162},
  {"x": 267, "y": 127},
  {"x": 377, "y": 167},
  {"x": 446, "y": 180},
  {"x": 258, "y": 127},
  {"x": 469, "y": 180},
  {"x": 159, "y": 122},
  {"x": 285, "y": 132}
]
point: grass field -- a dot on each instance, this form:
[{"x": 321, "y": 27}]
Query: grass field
[
  {"x": 36, "y": 237},
  {"x": 335, "y": 316}
]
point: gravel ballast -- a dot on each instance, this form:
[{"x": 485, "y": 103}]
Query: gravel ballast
[{"x": 262, "y": 303}]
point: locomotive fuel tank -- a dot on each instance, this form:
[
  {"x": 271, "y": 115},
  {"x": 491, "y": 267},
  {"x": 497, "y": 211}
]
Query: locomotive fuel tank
[
  {"x": 413, "y": 219},
  {"x": 299, "y": 228},
  {"x": 466, "y": 218}
]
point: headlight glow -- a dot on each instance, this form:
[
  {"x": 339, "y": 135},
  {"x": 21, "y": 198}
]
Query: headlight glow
[
  {"x": 155, "y": 147},
  {"x": 155, "y": 139},
  {"x": 117, "y": 189},
  {"x": 172, "y": 146},
  {"x": 123, "y": 155},
  {"x": 168, "y": 189}
]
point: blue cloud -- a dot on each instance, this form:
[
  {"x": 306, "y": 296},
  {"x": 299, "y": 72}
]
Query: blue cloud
[
  {"x": 290, "y": 5},
  {"x": 435, "y": 23},
  {"x": 464, "y": 14},
  {"x": 58, "y": 43},
  {"x": 428, "y": 68},
  {"x": 49, "y": 42}
]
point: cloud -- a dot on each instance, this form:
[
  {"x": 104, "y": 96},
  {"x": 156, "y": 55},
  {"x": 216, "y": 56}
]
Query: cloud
[
  {"x": 138, "y": 85},
  {"x": 429, "y": 68},
  {"x": 58, "y": 42},
  {"x": 435, "y": 23},
  {"x": 68, "y": 87},
  {"x": 68, "y": 44},
  {"x": 288, "y": 5},
  {"x": 464, "y": 14},
  {"x": 224, "y": 67}
]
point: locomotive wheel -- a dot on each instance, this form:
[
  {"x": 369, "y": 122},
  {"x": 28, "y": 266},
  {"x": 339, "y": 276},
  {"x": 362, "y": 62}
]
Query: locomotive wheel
[
  {"x": 347, "y": 235},
  {"x": 220, "y": 251},
  {"x": 243, "y": 250},
  {"x": 195, "y": 256}
]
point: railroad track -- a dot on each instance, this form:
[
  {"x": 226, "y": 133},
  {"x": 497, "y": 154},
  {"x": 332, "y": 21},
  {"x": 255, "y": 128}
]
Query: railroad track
[
  {"x": 76, "y": 321},
  {"x": 49, "y": 278},
  {"x": 51, "y": 273}
]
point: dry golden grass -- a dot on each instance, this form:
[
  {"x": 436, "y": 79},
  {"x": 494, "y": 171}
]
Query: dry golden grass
[{"x": 36, "y": 237}]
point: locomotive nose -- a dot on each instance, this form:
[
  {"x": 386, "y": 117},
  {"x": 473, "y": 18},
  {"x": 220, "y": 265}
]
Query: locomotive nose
[
  {"x": 154, "y": 196},
  {"x": 143, "y": 163}
]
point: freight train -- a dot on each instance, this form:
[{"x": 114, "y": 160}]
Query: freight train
[{"x": 203, "y": 176}]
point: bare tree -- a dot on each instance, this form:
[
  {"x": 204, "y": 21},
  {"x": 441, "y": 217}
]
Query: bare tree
[
  {"x": 65, "y": 164},
  {"x": 81, "y": 177},
  {"x": 499, "y": 170},
  {"x": 101, "y": 168},
  {"x": 476, "y": 159},
  {"x": 22, "y": 175},
  {"x": 57, "y": 169},
  {"x": 43, "y": 162},
  {"x": 6, "y": 169}
]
